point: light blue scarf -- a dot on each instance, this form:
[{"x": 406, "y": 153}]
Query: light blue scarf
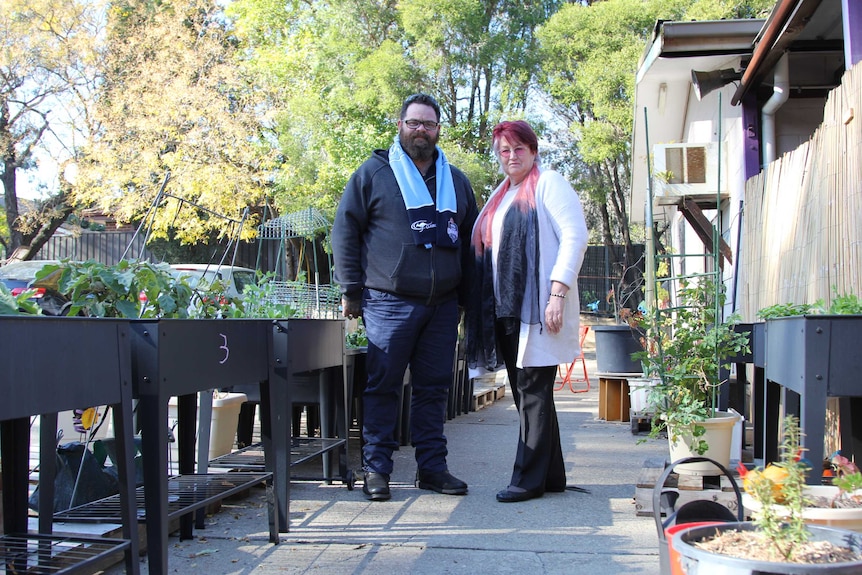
[{"x": 430, "y": 224}]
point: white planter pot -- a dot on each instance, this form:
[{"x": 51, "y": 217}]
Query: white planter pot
[
  {"x": 639, "y": 388},
  {"x": 841, "y": 518},
  {"x": 719, "y": 437},
  {"x": 696, "y": 561}
]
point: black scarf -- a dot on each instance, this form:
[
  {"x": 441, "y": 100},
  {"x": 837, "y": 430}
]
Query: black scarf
[{"x": 517, "y": 275}]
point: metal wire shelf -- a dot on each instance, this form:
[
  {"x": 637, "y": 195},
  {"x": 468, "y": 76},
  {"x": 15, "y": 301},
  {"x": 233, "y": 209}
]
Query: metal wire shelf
[
  {"x": 302, "y": 449},
  {"x": 302, "y": 223},
  {"x": 58, "y": 554},
  {"x": 186, "y": 493}
]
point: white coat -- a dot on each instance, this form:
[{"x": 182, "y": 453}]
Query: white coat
[{"x": 562, "y": 245}]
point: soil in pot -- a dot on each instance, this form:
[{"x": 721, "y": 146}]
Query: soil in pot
[
  {"x": 751, "y": 544},
  {"x": 740, "y": 548}
]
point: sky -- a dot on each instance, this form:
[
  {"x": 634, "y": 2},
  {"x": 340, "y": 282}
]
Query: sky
[{"x": 39, "y": 182}]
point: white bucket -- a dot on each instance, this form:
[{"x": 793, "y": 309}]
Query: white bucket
[
  {"x": 639, "y": 388},
  {"x": 226, "y": 407}
]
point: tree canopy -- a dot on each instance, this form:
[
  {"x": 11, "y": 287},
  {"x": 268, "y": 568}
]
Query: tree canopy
[
  {"x": 262, "y": 107},
  {"x": 174, "y": 104}
]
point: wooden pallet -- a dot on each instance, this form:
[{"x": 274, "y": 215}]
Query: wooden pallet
[
  {"x": 485, "y": 396},
  {"x": 716, "y": 488},
  {"x": 641, "y": 421}
]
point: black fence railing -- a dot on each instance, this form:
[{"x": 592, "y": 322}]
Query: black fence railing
[{"x": 601, "y": 275}]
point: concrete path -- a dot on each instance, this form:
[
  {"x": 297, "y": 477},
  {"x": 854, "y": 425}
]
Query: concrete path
[{"x": 334, "y": 531}]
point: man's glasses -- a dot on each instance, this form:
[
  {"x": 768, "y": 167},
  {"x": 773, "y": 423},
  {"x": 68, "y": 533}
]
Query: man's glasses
[{"x": 427, "y": 124}]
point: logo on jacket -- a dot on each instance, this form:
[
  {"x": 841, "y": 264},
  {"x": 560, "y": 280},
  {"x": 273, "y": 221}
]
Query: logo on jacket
[
  {"x": 452, "y": 230},
  {"x": 422, "y": 225}
]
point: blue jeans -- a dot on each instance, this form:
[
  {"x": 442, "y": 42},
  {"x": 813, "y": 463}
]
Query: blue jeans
[{"x": 401, "y": 333}]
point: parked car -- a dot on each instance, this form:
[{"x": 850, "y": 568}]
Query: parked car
[
  {"x": 233, "y": 278},
  {"x": 20, "y": 276}
]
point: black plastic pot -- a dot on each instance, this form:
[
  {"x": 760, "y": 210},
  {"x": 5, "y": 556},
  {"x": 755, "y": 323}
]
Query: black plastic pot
[{"x": 615, "y": 345}]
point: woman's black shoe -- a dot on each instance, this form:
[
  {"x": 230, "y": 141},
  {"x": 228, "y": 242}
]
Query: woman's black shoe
[{"x": 507, "y": 496}]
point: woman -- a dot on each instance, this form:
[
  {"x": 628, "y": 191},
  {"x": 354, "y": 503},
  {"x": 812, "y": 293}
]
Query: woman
[{"x": 529, "y": 242}]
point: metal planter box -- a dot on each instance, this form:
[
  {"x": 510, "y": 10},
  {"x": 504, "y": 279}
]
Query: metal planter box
[
  {"x": 58, "y": 364},
  {"x": 181, "y": 357},
  {"x": 301, "y": 346},
  {"x": 816, "y": 356}
]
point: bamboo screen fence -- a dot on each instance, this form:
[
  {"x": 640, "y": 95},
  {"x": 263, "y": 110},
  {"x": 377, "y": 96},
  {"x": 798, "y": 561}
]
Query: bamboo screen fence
[{"x": 802, "y": 226}]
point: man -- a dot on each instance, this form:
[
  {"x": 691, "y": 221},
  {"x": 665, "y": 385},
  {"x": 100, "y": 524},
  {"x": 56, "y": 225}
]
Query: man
[{"x": 400, "y": 240}]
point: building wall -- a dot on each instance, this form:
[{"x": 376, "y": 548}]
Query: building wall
[{"x": 795, "y": 121}]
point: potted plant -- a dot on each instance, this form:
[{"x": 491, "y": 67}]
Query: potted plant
[
  {"x": 835, "y": 505},
  {"x": 685, "y": 349},
  {"x": 777, "y": 540}
]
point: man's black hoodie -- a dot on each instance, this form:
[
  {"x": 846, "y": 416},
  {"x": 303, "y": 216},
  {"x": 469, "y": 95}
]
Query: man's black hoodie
[{"x": 373, "y": 246}]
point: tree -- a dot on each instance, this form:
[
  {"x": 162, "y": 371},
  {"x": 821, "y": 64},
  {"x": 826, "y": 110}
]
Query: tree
[
  {"x": 47, "y": 56},
  {"x": 337, "y": 72},
  {"x": 179, "y": 125},
  {"x": 332, "y": 72}
]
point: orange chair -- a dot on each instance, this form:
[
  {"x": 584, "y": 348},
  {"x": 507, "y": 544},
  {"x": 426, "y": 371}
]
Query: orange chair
[{"x": 567, "y": 379}]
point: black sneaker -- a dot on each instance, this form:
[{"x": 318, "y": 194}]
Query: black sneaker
[
  {"x": 376, "y": 486},
  {"x": 441, "y": 482}
]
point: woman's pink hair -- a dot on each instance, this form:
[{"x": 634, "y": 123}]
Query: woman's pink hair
[{"x": 517, "y": 131}]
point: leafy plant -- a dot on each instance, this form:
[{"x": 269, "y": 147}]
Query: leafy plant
[
  {"x": 788, "y": 309},
  {"x": 358, "y": 337},
  {"x": 261, "y": 300},
  {"x": 848, "y": 304},
  {"x": 665, "y": 176},
  {"x": 685, "y": 349},
  {"x": 20, "y": 304},
  {"x": 129, "y": 289},
  {"x": 785, "y": 531},
  {"x": 849, "y": 478},
  {"x": 842, "y": 304}
]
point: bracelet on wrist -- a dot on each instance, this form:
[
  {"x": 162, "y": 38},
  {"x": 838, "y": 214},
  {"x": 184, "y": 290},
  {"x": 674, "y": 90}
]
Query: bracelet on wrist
[{"x": 561, "y": 295}]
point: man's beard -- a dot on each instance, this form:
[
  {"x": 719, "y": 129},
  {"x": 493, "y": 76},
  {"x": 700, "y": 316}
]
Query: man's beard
[{"x": 421, "y": 150}]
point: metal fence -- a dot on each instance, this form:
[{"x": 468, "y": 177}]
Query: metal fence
[
  {"x": 105, "y": 247},
  {"x": 600, "y": 277},
  {"x": 108, "y": 248}
]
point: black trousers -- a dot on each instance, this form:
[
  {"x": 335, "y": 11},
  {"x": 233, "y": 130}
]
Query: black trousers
[{"x": 539, "y": 462}]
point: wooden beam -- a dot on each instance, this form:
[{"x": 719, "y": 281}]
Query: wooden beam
[{"x": 704, "y": 229}]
